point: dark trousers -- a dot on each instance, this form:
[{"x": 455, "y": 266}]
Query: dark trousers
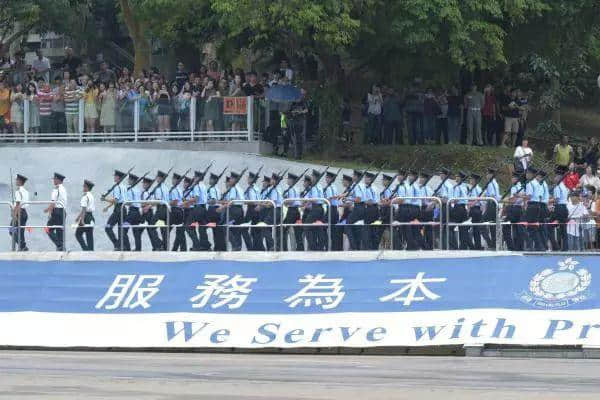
[
  {"x": 293, "y": 215},
  {"x": 374, "y": 123},
  {"x": 161, "y": 215},
  {"x": 354, "y": 232},
  {"x": 370, "y": 232},
  {"x": 489, "y": 235},
  {"x": 490, "y": 129},
  {"x": 458, "y": 215},
  {"x": 200, "y": 216},
  {"x": 251, "y": 236},
  {"x": 514, "y": 234},
  {"x": 57, "y": 235},
  {"x": 392, "y": 132},
  {"x": 87, "y": 243},
  {"x": 476, "y": 218},
  {"x": 114, "y": 219},
  {"x": 427, "y": 239},
  {"x": 59, "y": 124},
  {"x": 236, "y": 218},
  {"x": 533, "y": 214},
  {"x": 148, "y": 217},
  {"x": 337, "y": 231},
  {"x": 558, "y": 232},
  {"x": 214, "y": 217},
  {"x": 19, "y": 234},
  {"x": 441, "y": 136},
  {"x": 266, "y": 232},
  {"x": 177, "y": 218},
  {"x": 133, "y": 218},
  {"x": 189, "y": 219}
]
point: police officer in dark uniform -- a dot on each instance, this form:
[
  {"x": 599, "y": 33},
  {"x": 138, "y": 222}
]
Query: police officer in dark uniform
[
  {"x": 116, "y": 199},
  {"x": 293, "y": 214},
  {"x": 177, "y": 215}
]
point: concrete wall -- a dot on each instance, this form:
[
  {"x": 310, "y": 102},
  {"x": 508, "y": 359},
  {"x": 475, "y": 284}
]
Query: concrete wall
[{"x": 96, "y": 163}]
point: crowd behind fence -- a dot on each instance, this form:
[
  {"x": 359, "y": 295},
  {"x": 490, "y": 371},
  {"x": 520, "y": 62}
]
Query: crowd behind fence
[{"x": 579, "y": 233}]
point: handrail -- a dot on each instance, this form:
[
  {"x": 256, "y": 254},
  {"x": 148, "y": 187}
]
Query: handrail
[
  {"x": 63, "y": 227},
  {"x": 152, "y": 202},
  {"x": 9, "y": 227},
  {"x": 473, "y": 199},
  {"x": 396, "y": 200},
  {"x": 305, "y": 200},
  {"x": 242, "y": 202}
]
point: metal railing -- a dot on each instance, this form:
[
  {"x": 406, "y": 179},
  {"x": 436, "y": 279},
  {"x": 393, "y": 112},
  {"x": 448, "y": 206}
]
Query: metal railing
[
  {"x": 140, "y": 123},
  {"x": 304, "y": 200},
  {"x": 10, "y": 227},
  {"x": 242, "y": 202},
  {"x": 393, "y": 223},
  {"x": 141, "y": 203},
  {"x": 62, "y": 227},
  {"x": 498, "y": 238}
]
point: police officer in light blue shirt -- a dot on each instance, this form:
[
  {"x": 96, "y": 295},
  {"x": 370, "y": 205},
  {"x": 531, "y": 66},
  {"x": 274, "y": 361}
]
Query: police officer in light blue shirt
[
  {"x": 236, "y": 210},
  {"x": 369, "y": 239},
  {"x": 196, "y": 227},
  {"x": 459, "y": 214},
  {"x": 533, "y": 215},
  {"x": 116, "y": 198},
  {"x": 475, "y": 212},
  {"x": 252, "y": 236},
  {"x": 492, "y": 189},
  {"x": 425, "y": 242},
  {"x": 331, "y": 193},
  {"x": 292, "y": 215},
  {"x": 177, "y": 216},
  {"x": 356, "y": 194},
  {"x": 134, "y": 216},
  {"x": 560, "y": 213},
  {"x": 213, "y": 216}
]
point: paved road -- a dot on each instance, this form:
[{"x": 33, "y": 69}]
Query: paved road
[{"x": 74, "y": 375}]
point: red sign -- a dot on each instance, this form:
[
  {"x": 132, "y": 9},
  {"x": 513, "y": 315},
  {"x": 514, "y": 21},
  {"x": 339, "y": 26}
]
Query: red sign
[{"x": 235, "y": 105}]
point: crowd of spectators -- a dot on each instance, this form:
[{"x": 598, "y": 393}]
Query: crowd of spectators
[
  {"x": 418, "y": 115},
  {"x": 54, "y": 92}
]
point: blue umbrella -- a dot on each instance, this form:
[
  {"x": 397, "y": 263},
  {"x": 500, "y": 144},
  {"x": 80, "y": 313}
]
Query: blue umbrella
[{"x": 283, "y": 94}]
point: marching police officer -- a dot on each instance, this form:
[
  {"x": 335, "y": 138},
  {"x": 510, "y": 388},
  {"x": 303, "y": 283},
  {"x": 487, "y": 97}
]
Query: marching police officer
[
  {"x": 356, "y": 218},
  {"x": 560, "y": 196},
  {"x": 371, "y": 200},
  {"x": 56, "y": 212},
  {"x": 85, "y": 219},
  {"x": 133, "y": 217},
  {"x": 199, "y": 215},
  {"x": 293, "y": 214},
  {"x": 331, "y": 193},
  {"x": 514, "y": 233},
  {"x": 116, "y": 199},
  {"x": 492, "y": 190},
  {"x": 459, "y": 214},
  {"x": 252, "y": 236},
  {"x": 444, "y": 191},
  {"x": 213, "y": 216},
  {"x": 533, "y": 215},
  {"x": 426, "y": 210},
  {"x": 161, "y": 193},
  {"x": 177, "y": 214},
  {"x": 147, "y": 216},
  {"x": 19, "y": 213},
  {"x": 385, "y": 197},
  {"x": 475, "y": 212},
  {"x": 236, "y": 211}
]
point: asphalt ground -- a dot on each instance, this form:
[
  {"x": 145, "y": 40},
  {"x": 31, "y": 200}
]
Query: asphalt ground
[{"x": 111, "y": 375}]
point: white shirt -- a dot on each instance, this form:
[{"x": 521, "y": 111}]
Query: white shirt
[
  {"x": 59, "y": 196},
  {"x": 524, "y": 156},
  {"x": 87, "y": 202},
  {"x": 22, "y": 196},
  {"x": 590, "y": 181},
  {"x": 576, "y": 212}
]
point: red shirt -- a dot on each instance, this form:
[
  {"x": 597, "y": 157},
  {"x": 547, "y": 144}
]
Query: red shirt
[
  {"x": 571, "y": 180},
  {"x": 488, "y": 105}
]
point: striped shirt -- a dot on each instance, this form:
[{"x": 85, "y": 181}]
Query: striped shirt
[
  {"x": 45, "y": 102},
  {"x": 71, "y": 101}
]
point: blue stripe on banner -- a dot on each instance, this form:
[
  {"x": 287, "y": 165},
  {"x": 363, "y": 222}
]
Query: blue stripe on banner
[{"x": 300, "y": 287}]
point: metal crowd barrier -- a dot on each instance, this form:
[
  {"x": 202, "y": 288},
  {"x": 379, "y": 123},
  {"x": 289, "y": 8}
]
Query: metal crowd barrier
[
  {"x": 241, "y": 202},
  {"x": 151, "y": 202},
  {"x": 303, "y": 200},
  {"x": 63, "y": 227},
  {"x": 13, "y": 241},
  {"x": 396, "y": 200},
  {"x": 497, "y": 223}
]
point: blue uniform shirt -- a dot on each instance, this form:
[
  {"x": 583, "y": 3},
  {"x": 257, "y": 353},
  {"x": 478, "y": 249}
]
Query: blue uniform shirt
[
  {"x": 213, "y": 195},
  {"x": 358, "y": 191},
  {"x": 161, "y": 193},
  {"x": 371, "y": 194},
  {"x": 446, "y": 191},
  {"x": 460, "y": 191},
  {"x": 175, "y": 195},
  {"x": 561, "y": 194},
  {"x": 275, "y": 196},
  {"x": 251, "y": 193},
  {"x": 200, "y": 194},
  {"x": 330, "y": 192},
  {"x": 118, "y": 193},
  {"x": 493, "y": 190},
  {"x": 292, "y": 194},
  {"x": 545, "y": 193},
  {"x": 134, "y": 194},
  {"x": 513, "y": 190},
  {"x": 534, "y": 190},
  {"x": 235, "y": 194}
]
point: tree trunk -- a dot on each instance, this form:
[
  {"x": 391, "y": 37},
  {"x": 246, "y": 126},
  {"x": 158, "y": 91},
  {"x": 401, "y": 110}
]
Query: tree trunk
[{"x": 136, "y": 30}]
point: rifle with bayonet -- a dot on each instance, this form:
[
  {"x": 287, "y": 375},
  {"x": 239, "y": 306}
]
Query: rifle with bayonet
[
  {"x": 390, "y": 184},
  {"x": 138, "y": 181},
  {"x": 231, "y": 187},
  {"x": 474, "y": 186},
  {"x": 217, "y": 181},
  {"x": 377, "y": 175},
  {"x": 253, "y": 182},
  {"x": 435, "y": 192},
  {"x": 332, "y": 181},
  {"x": 360, "y": 178},
  {"x": 180, "y": 180},
  {"x": 192, "y": 187},
  {"x": 297, "y": 180},
  {"x": 157, "y": 186},
  {"x": 279, "y": 179},
  {"x": 103, "y": 197},
  {"x": 315, "y": 183}
]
